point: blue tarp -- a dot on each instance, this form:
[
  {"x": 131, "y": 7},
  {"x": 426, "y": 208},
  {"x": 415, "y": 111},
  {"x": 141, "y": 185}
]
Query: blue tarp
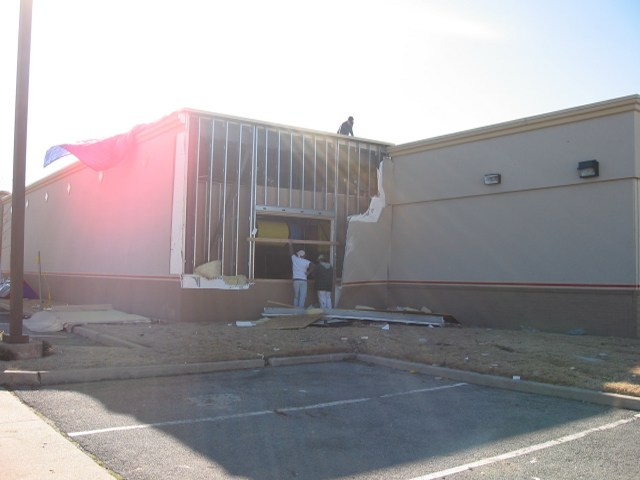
[{"x": 27, "y": 291}]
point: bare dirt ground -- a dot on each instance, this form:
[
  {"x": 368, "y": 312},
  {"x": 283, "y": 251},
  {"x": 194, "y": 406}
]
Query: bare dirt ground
[{"x": 598, "y": 363}]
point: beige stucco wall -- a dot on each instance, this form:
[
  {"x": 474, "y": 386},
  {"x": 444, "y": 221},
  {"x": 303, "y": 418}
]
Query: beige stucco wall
[
  {"x": 573, "y": 235},
  {"x": 543, "y": 249},
  {"x": 116, "y": 222},
  {"x": 105, "y": 237},
  {"x": 540, "y": 158},
  {"x": 542, "y": 224},
  {"x": 594, "y": 311}
]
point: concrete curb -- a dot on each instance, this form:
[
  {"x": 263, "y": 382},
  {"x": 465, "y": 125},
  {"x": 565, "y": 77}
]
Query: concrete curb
[
  {"x": 52, "y": 377},
  {"x": 47, "y": 378},
  {"x": 571, "y": 393},
  {"x": 20, "y": 377},
  {"x": 320, "y": 358}
]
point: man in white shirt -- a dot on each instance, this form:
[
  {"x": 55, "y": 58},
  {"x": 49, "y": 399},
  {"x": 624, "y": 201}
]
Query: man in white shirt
[{"x": 301, "y": 268}]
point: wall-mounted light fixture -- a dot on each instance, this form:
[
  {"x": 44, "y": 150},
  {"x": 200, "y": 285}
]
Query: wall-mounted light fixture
[
  {"x": 492, "y": 179},
  {"x": 588, "y": 169}
]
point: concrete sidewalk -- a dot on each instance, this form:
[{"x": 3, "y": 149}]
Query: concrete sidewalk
[{"x": 30, "y": 449}]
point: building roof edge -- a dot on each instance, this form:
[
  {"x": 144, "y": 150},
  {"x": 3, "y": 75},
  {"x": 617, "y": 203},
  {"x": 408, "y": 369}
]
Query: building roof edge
[{"x": 585, "y": 112}]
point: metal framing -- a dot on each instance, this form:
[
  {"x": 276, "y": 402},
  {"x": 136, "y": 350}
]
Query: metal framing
[{"x": 228, "y": 202}]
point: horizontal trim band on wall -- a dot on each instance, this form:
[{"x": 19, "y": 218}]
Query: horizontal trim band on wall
[
  {"x": 558, "y": 186},
  {"x": 444, "y": 283},
  {"x": 106, "y": 276},
  {"x": 608, "y": 286}
]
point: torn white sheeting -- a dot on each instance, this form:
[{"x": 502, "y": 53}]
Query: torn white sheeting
[
  {"x": 378, "y": 203},
  {"x": 369, "y": 236},
  {"x": 55, "y": 320}
]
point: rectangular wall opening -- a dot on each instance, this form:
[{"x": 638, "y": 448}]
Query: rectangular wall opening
[{"x": 271, "y": 248}]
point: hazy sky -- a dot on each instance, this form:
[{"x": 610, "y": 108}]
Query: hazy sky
[{"x": 405, "y": 69}]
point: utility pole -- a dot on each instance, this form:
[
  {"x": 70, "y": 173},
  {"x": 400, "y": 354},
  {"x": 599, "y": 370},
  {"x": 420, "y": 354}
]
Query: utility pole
[{"x": 19, "y": 167}]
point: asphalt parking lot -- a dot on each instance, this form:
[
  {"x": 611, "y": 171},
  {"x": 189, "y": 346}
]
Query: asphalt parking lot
[{"x": 337, "y": 420}]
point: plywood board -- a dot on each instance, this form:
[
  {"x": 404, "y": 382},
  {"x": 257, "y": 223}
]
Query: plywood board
[{"x": 293, "y": 322}]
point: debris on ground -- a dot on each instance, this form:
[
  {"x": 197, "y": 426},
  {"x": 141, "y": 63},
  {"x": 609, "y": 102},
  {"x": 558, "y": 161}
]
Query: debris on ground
[
  {"x": 404, "y": 315},
  {"x": 65, "y": 317}
]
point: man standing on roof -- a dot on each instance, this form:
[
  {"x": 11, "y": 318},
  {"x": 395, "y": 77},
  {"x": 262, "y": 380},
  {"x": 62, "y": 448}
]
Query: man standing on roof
[
  {"x": 301, "y": 268},
  {"x": 347, "y": 127}
]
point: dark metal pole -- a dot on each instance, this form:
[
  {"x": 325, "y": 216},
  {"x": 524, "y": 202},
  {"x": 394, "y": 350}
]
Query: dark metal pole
[{"x": 19, "y": 167}]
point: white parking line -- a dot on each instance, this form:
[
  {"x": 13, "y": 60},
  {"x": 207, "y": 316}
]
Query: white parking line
[
  {"x": 257, "y": 413},
  {"x": 524, "y": 451},
  {"x": 433, "y": 389}
]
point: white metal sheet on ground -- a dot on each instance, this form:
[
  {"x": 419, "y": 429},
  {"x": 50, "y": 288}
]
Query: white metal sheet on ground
[{"x": 412, "y": 318}]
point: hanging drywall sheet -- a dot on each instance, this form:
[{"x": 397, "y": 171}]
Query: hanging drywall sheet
[{"x": 367, "y": 254}]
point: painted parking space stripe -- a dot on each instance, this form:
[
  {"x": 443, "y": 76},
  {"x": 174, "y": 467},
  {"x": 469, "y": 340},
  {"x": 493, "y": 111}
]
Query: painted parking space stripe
[
  {"x": 421, "y": 390},
  {"x": 257, "y": 413},
  {"x": 524, "y": 451}
]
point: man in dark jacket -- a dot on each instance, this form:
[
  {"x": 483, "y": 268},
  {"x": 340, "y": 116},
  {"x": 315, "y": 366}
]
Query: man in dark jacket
[
  {"x": 324, "y": 281},
  {"x": 347, "y": 127}
]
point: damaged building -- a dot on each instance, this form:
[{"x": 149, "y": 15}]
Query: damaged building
[
  {"x": 530, "y": 224},
  {"x": 188, "y": 218}
]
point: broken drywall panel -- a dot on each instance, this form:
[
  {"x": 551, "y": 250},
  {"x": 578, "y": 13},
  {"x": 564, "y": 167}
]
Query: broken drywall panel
[
  {"x": 238, "y": 282},
  {"x": 293, "y": 322},
  {"x": 208, "y": 275},
  {"x": 282, "y": 311},
  {"x": 210, "y": 270}
]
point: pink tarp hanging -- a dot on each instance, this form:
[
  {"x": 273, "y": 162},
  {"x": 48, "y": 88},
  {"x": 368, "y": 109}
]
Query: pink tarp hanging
[{"x": 98, "y": 154}]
